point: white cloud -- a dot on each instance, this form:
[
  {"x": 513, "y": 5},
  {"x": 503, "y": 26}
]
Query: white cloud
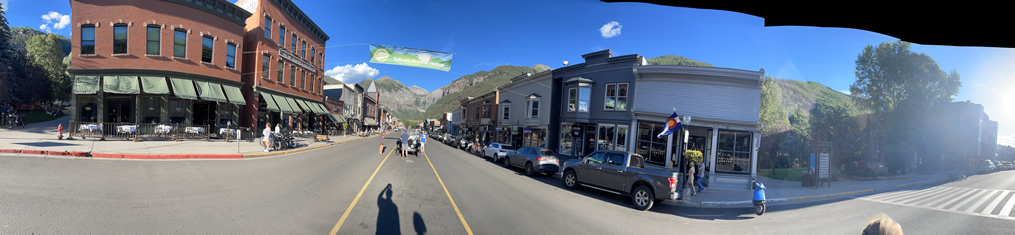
[
  {"x": 844, "y": 92},
  {"x": 352, "y": 73},
  {"x": 5, "y": 4},
  {"x": 611, "y": 29},
  {"x": 54, "y": 20}
]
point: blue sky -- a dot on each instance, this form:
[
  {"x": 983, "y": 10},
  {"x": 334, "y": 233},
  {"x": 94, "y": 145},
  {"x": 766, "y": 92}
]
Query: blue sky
[{"x": 485, "y": 34}]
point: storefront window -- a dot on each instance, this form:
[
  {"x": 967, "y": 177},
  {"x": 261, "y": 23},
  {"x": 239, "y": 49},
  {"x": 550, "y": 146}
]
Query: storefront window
[
  {"x": 177, "y": 112},
  {"x": 648, "y": 145},
  {"x": 734, "y": 152},
  {"x": 605, "y": 140},
  {"x": 566, "y": 138},
  {"x": 151, "y": 108},
  {"x": 621, "y": 140},
  {"x": 87, "y": 109}
]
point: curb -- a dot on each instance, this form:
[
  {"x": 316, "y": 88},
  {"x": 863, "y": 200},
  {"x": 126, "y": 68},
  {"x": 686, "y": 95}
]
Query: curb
[
  {"x": 45, "y": 152},
  {"x": 256, "y": 155},
  {"x": 776, "y": 201},
  {"x": 165, "y": 156}
]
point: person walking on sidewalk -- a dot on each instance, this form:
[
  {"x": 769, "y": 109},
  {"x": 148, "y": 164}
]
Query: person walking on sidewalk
[
  {"x": 690, "y": 180},
  {"x": 701, "y": 175},
  {"x": 405, "y": 142},
  {"x": 266, "y": 141}
]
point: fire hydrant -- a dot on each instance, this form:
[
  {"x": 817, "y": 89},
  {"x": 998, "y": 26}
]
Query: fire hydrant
[{"x": 59, "y": 129}]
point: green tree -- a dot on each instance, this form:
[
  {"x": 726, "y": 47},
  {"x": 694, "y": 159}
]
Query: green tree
[
  {"x": 900, "y": 86},
  {"x": 6, "y": 83},
  {"x": 772, "y": 117},
  {"x": 46, "y": 52},
  {"x": 833, "y": 123}
]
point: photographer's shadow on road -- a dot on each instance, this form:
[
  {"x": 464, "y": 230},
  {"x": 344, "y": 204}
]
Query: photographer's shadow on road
[
  {"x": 418, "y": 224},
  {"x": 387, "y": 217}
]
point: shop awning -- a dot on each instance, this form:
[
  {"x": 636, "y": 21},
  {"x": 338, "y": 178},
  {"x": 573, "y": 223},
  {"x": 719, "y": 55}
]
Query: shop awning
[
  {"x": 287, "y": 102},
  {"x": 86, "y": 84},
  {"x": 337, "y": 118},
  {"x": 270, "y": 101},
  {"x": 234, "y": 95},
  {"x": 154, "y": 85},
  {"x": 120, "y": 84},
  {"x": 296, "y": 106},
  {"x": 314, "y": 108},
  {"x": 323, "y": 107},
  {"x": 184, "y": 88},
  {"x": 210, "y": 91}
]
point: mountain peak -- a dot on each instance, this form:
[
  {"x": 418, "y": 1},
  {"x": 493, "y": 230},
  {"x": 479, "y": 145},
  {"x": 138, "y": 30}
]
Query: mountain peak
[
  {"x": 541, "y": 67},
  {"x": 385, "y": 78}
]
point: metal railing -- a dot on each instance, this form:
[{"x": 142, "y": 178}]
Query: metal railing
[{"x": 139, "y": 131}]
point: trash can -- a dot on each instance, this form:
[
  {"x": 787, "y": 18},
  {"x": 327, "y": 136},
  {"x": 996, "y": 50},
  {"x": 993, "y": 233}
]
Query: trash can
[{"x": 806, "y": 179}]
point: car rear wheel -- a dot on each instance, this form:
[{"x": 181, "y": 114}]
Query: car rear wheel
[
  {"x": 528, "y": 169},
  {"x": 642, "y": 198},
  {"x": 570, "y": 180}
]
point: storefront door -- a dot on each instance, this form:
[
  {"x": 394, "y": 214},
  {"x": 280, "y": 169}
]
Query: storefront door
[{"x": 120, "y": 110}]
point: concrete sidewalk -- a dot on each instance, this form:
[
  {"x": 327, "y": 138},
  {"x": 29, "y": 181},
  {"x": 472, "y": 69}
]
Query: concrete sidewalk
[
  {"x": 781, "y": 192},
  {"x": 41, "y": 138}
]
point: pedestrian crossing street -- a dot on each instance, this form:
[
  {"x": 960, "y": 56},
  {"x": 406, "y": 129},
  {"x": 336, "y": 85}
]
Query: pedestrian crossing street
[{"x": 980, "y": 202}]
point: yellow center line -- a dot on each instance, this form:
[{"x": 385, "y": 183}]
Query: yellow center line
[
  {"x": 459, "y": 212},
  {"x": 360, "y": 194}
]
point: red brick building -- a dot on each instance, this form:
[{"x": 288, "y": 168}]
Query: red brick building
[
  {"x": 284, "y": 66},
  {"x": 479, "y": 116},
  {"x": 196, "y": 63},
  {"x": 157, "y": 61}
]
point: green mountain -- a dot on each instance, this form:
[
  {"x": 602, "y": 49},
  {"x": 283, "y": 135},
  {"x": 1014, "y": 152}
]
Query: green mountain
[
  {"x": 474, "y": 85},
  {"x": 20, "y": 35},
  {"x": 677, "y": 60},
  {"x": 803, "y": 95},
  {"x": 405, "y": 103}
]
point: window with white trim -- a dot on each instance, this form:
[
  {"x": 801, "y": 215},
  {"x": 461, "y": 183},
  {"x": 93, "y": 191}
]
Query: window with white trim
[
  {"x": 616, "y": 97},
  {"x": 120, "y": 39},
  {"x": 532, "y": 108},
  {"x": 506, "y": 110},
  {"x": 572, "y": 99}
]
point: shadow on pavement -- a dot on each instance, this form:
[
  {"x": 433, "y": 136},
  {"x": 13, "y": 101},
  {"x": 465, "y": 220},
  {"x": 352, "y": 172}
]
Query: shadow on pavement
[
  {"x": 387, "y": 217},
  {"x": 418, "y": 224}
]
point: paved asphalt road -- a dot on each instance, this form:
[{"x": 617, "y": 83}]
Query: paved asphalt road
[{"x": 309, "y": 192}]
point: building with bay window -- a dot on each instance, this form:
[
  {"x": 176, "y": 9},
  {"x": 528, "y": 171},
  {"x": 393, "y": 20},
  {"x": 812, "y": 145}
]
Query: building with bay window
[
  {"x": 621, "y": 103},
  {"x": 524, "y": 112}
]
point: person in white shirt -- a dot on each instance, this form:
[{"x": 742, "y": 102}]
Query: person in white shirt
[
  {"x": 278, "y": 128},
  {"x": 267, "y": 134}
]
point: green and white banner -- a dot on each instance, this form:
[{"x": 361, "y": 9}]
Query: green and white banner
[{"x": 410, "y": 57}]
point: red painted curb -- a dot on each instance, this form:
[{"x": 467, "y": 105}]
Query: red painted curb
[
  {"x": 78, "y": 154},
  {"x": 33, "y": 151},
  {"x": 15, "y": 151},
  {"x": 179, "y": 156},
  {"x": 107, "y": 155}
]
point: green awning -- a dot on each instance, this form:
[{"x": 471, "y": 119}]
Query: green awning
[
  {"x": 286, "y": 105},
  {"x": 184, "y": 88},
  {"x": 270, "y": 100},
  {"x": 119, "y": 84},
  {"x": 323, "y": 107},
  {"x": 308, "y": 105},
  {"x": 234, "y": 94},
  {"x": 86, "y": 84},
  {"x": 292, "y": 102},
  {"x": 154, "y": 85},
  {"x": 210, "y": 91},
  {"x": 338, "y": 118}
]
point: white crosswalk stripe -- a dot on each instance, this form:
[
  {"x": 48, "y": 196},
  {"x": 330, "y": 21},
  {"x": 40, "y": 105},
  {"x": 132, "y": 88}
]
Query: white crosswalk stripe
[{"x": 971, "y": 201}]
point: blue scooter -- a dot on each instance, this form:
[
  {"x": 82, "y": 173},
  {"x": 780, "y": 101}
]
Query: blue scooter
[{"x": 759, "y": 196}]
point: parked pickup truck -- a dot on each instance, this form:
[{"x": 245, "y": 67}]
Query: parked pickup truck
[{"x": 624, "y": 173}]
